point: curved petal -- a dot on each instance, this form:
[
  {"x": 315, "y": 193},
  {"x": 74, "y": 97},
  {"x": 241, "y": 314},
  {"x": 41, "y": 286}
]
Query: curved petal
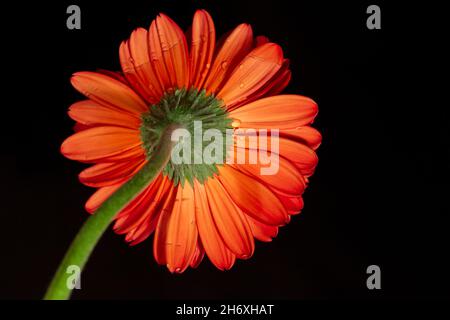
[
  {"x": 302, "y": 156},
  {"x": 286, "y": 179},
  {"x": 277, "y": 112},
  {"x": 229, "y": 220},
  {"x": 91, "y": 113},
  {"x": 147, "y": 203},
  {"x": 252, "y": 197},
  {"x": 113, "y": 74},
  {"x": 135, "y": 61},
  {"x": 108, "y": 91},
  {"x": 234, "y": 49},
  {"x": 257, "y": 68},
  {"x": 274, "y": 85},
  {"x": 279, "y": 81},
  {"x": 99, "y": 196},
  {"x": 106, "y": 174},
  {"x": 261, "y": 231},
  {"x": 198, "y": 255},
  {"x": 203, "y": 39},
  {"x": 213, "y": 244},
  {"x": 293, "y": 205},
  {"x": 102, "y": 143},
  {"x": 176, "y": 234},
  {"x": 140, "y": 217},
  {"x": 169, "y": 53},
  {"x": 307, "y": 135}
]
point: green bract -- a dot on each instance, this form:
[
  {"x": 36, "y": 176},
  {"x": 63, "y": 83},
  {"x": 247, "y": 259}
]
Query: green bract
[{"x": 183, "y": 107}]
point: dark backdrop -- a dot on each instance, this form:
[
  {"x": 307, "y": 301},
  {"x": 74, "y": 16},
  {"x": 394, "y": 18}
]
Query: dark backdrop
[{"x": 379, "y": 195}]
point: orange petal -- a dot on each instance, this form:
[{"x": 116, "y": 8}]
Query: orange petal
[
  {"x": 293, "y": 205},
  {"x": 277, "y": 112},
  {"x": 169, "y": 53},
  {"x": 287, "y": 180},
  {"x": 106, "y": 174},
  {"x": 102, "y": 143},
  {"x": 302, "y": 156},
  {"x": 257, "y": 68},
  {"x": 135, "y": 61},
  {"x": 176, "y": 234},
  {"x": 108, "y": 91},
  {"x": 275, "y": 85},
  {"x": 92, "y": 113},
  {"x": 213, "y": 244},
  {"x": 147, "y": 203},
  {"x": 140, "y": 217},
  {"x": 113, "y": 74},
  {"x": 229, "y": 220},
  {"x": 235, "y": 48},
  {"x": 261, "y": 231},
  {"x": 279, "y": 81},
  {"x": 202, "y": 47},
  {"x": 307, "y": 135},
  {"x": 80, "y": 127},
  {"x": 252, "y": 197},
  {"x": 198, "y": 255},
  {"x": 99, "y": 196}
]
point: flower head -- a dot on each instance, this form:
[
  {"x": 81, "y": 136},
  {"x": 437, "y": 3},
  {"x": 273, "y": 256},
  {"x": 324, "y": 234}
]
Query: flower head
[{"x": 230, "y": 86}]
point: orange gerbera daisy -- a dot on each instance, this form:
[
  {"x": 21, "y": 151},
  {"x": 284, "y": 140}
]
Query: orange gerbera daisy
[{"x": 167, "y": 79}]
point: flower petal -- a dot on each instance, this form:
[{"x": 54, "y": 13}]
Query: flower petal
[
  {"x": 169, "y": 53},
  {"x": 229, "y": 220},
  {"x": 202, "y": 47},
  {"x": 257, "y": 68},
  {"x": 261, "y": 231},
  {"x": 91, "y": 113},
  {"x": 135, "y": 61},
  {"x": 252, "y": 197},
  {"x": 286, "y": 179},
  {"x": 176, "y": 234},
  {"x": 140, "y": 217},
  {"x": 198, "y": 255},
  {"x": 213, "y": 244},
  {"x": 234, "y": 49},
  {"x": 302, "y": 156},
  {"x": 147, "y": 203},
  {"x": 99, "y": 196},
  {"x": 277, "y": 112},
  {"x": 108, "y": 91},
  {"x": 274, "y": 85},
  {"x": 293, "y": 205},
  {"x": 102, "y": 143},
  {"x": 106, "y": 174},
  {"x": 307, "y": 135}
]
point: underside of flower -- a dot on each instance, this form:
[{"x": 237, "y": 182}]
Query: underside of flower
[
  {"x": 123, "y": 128},
  {"x": 186, "y": 108}
]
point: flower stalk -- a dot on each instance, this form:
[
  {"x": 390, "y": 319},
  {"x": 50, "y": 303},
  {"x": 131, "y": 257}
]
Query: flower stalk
[{"x": 94, "y": 227}]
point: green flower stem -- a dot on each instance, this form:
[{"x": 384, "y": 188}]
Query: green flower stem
[{"x": 90, "y": 233}]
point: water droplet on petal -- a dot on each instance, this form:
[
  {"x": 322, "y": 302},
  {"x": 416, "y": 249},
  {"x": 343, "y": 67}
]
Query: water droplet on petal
[
  {"x": 241, "y": 85},
  {"x": 224, "y": 65},
  {"x": 208, "y": 65},
  {"x": 178, "y": 270},
  {"x": 236, "y": 123}
]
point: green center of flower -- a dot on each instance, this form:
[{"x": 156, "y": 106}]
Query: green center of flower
[{"x": 201, "y": 119}]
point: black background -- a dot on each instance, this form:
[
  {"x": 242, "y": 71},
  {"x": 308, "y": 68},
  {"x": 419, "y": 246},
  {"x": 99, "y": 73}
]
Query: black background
[{"x": 379, "y": 195}]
